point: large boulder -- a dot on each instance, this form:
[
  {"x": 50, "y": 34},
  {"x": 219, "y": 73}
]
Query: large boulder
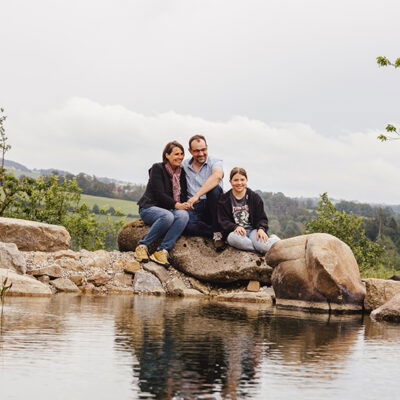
[
  {"x": 33, "y": 236},
  {"x": 316, "y": 271},
  {"x": 23, "y": 285},
  {"x": 11, "y": 258},
  {"x": 379, "y": 291},
  {"x": 389, "y": 311},
  {"x": 196, "y": 256}
]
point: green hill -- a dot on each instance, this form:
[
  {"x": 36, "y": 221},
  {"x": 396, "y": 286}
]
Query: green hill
[{"x": 125, "y": 206}]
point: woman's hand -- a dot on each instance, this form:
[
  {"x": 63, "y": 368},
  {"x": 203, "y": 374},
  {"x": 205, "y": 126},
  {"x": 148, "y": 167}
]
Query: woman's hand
[
  {"x": 182, "y": 206},
  {"x": 240, "y": 231},
  {"x": 261, "y": 235}
]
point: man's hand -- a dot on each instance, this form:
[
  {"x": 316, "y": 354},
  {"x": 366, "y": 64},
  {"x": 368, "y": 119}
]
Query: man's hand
[
  {"x": 240, "y": 231},
  {"x": 182, "y": 206},
  {"x": 261, "y": 235},
  {"x": 193, "y": 200}
]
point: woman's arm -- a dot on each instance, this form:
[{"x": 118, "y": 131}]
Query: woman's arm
[{"x": 160, "y": 189}]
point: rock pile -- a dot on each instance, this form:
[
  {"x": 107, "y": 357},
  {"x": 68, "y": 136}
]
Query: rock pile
[
  {"x": 43, "y": 273},
  {"x": 315, "y": 271}
]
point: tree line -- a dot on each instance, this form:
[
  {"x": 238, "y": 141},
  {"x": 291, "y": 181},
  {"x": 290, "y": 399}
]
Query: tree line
[{"x": 94, "y": 186}]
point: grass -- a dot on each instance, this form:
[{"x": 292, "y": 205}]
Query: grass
[
  {"x": 380, "y": 272},
  {"x": 125, "y": 206}
]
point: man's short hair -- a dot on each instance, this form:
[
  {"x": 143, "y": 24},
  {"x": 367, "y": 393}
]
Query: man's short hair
[{"x": 196, "y": 137}]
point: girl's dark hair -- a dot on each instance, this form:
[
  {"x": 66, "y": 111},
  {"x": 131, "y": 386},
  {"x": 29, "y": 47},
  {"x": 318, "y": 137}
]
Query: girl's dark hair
[
  {"x": 168, "y": 149},
  {"x": 237, "y": 170}
]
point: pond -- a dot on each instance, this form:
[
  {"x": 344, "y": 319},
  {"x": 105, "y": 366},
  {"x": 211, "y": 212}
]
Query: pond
[{"x": 138, "y": 347}]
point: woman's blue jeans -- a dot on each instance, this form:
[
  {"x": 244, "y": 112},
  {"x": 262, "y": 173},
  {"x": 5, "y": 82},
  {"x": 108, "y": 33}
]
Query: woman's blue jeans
[{"x": 170, "y": 223}]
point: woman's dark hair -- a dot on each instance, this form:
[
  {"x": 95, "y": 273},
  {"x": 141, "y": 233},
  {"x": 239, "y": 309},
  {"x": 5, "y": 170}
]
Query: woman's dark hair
[
  {"x": 168, "y": 149},
  {"x": 238, "y": 170}
]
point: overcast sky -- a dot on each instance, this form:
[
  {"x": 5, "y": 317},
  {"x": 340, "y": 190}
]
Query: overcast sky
[{"x": 288, "y": 89}]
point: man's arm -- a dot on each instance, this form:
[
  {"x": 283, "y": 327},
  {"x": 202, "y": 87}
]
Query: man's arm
[{"x": 213, "y": 180}]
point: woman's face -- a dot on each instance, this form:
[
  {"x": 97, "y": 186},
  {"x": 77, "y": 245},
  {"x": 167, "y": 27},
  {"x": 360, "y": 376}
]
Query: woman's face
[
  {"x": 239, "y": 183},
  {"x": 175, "y": 158}
]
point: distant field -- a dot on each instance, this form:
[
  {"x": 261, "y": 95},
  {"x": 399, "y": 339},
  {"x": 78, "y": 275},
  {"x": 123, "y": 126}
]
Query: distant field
[{"x": 125, "y": 206}]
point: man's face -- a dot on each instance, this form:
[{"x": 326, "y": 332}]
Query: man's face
[{"x": 198, "y": 150}]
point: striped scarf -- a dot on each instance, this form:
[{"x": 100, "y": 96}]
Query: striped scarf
[{"x": 176, "y": 183}]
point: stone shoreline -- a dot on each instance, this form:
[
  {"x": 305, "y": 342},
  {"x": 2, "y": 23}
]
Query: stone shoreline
[
  {"x": 103, "y": 273},
  {"x": 315, "y": 272}
]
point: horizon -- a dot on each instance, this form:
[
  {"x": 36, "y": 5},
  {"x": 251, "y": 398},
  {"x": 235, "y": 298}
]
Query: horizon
[{"x": 317, "y": 197}]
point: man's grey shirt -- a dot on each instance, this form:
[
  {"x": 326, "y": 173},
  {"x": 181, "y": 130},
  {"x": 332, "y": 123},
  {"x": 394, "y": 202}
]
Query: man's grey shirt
[{"x": 195, "y": 180}]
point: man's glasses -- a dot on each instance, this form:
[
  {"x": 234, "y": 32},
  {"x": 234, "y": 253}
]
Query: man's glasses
[{"x": 199, "y": 151}]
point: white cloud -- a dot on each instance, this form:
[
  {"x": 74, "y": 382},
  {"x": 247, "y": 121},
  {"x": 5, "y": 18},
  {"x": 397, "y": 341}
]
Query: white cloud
[{"x": 113, "y": 141}]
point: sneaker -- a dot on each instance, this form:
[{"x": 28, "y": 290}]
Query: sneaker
[
  {"x": 141, "y": 253},
  {"x": 219, "y": 244},
  {"x": 160, "y": 257}
]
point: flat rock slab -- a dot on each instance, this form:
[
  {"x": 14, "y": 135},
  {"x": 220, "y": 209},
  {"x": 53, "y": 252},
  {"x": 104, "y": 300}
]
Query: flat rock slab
[
  {"x": 146, "y": 283},
  {"x": 159, "y": 271},
  {"x": 262, "y": 296},
  {"x": 379, "y": 292},
  {"x": 195, "y": 256},
  {"x": 23, "y": 285},
  {"x": 11, "y": 258},
  {"x": 34, "y": 236},
  {"x": 316, "y": 271},
  {"x": 52, "y": 271},
  {"x": 64, "y": 285},
  {"x": 389, "y": 311}
]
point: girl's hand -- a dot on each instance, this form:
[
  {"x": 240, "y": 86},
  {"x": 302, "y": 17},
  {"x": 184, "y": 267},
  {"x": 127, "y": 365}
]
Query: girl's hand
[
  {"x": 261, "y": 235},
  {"x": 240, "y": 231}
]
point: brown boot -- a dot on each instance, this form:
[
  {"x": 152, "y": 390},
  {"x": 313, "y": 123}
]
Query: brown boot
[
  {"x": 160, "y": 257},
  {"x": 141, "y": 253}
]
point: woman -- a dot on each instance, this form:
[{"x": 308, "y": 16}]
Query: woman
[
  {"x": 242, "y": 217},
  {"x": 163, "y": 205}
]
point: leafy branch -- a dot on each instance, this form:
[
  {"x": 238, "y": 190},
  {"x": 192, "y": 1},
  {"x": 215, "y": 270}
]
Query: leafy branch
[
  {"x": 392, "y": 133},
  {"x": 384, "y": 62}
]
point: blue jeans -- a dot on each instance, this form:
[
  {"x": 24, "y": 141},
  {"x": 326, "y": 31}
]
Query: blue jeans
[
  {"x": 203, "y": 219},
  {"x": 170, "y": 223}
]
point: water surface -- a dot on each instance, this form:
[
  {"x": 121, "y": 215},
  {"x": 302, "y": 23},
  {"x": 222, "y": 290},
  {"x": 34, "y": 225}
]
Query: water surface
[{"x": 82, "y": 347}]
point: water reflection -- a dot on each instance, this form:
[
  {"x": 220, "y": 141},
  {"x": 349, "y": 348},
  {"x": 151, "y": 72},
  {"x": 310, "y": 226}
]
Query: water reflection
[
  {"x": 154, "y": 347},
  {"x": 189, "y": 348}
]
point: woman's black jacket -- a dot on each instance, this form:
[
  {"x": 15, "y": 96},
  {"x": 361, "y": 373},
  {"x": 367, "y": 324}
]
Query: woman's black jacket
[
  {"x": 159, "y": 189},
  {"x": 257, "y": 216}
]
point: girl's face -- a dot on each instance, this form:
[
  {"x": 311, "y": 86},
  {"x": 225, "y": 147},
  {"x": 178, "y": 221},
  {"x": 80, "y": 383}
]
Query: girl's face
[
  {"x": 239, "y": 183},
  {"x": 175, "y": 158}
]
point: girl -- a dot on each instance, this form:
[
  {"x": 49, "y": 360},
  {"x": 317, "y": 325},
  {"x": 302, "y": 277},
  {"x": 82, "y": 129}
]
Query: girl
[{"x": 242, "y": 217}]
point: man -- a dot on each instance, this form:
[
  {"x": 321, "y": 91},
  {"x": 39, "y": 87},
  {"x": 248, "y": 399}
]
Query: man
[{"x": 204, "y": 174}]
